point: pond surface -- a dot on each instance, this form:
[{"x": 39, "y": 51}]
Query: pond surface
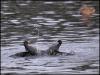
[{"x": 43, "y": 23}]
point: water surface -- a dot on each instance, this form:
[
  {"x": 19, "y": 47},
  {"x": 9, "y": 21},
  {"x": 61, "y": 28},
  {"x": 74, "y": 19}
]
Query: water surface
[{"x": 43, "y": 23}]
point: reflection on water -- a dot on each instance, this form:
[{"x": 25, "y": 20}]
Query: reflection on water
[{"x": 43, "y": 23}]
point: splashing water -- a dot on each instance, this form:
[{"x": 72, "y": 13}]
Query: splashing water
[{"x": 37, "y": 35}]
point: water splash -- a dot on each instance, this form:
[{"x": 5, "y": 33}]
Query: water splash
[{"x": 37, "y": 31}]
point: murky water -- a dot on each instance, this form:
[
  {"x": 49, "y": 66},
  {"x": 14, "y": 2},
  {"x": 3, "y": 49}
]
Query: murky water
[{"x": 43, "y": 23}]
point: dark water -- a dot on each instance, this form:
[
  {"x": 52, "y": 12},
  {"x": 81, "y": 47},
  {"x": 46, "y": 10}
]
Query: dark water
[{"x": 43, "y": 23}]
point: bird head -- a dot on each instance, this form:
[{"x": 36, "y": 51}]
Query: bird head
[
  {"x": 59, "y": 41},
  {"x": 25, "y": 42}
]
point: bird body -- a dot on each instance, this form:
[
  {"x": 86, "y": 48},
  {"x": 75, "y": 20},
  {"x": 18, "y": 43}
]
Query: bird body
[
  {"x": 30, "y": 49},
  {"x": 54, "y": 49}
]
